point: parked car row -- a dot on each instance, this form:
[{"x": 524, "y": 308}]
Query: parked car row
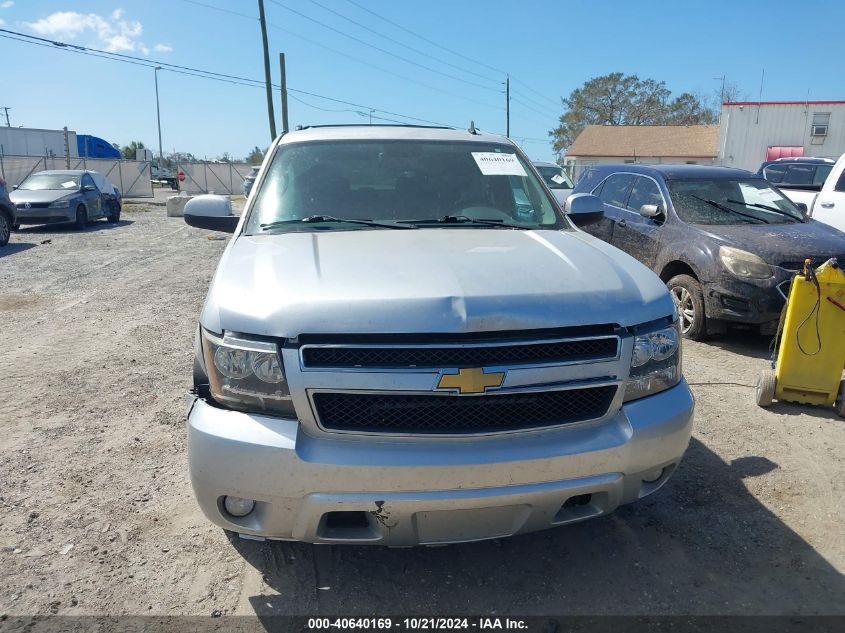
[
  {"x": 725, "y": 241},
  {"x": 816, "y": 183},
  {"x": 58, "y": 196}
]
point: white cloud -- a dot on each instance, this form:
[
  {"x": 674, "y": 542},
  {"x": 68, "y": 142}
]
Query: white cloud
[
  {"x": 112, "y": 33},
  {"x": 163, "y": 48},
  {"x": 6, "y": 4}
]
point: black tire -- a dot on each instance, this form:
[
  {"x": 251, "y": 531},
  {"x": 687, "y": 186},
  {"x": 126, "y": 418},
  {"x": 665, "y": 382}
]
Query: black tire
[
  {"x": 114, "y": 216},
  {"x": 765, "y": 391},
  {"x": 689, "y": 302},
  {"x": 81, "y": 218},
  {"x": 839, "y": 405},
  {"x": 5, "y": 229},
  {"x": 16, "y": 227}
]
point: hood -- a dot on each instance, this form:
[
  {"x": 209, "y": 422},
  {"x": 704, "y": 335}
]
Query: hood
[
  {"x": 452, "y": 280},
  {"x": 782, "y": 243},
  {"x": 19, "y": 196}
]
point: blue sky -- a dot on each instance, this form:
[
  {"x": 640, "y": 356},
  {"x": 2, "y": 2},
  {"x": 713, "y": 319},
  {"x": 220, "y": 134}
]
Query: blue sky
[{"x": 548, "y": 47}]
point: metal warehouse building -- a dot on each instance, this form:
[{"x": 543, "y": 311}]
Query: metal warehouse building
[{"x": 752, "y": 132}]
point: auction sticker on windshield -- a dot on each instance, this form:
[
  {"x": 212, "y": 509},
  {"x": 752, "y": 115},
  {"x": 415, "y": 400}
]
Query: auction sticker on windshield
[{"x": 496, "y": 164}]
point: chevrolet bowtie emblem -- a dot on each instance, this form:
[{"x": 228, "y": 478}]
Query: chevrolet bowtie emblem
[{"x": 474, "y": 380}]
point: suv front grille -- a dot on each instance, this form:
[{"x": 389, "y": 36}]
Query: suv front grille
[
  {"x": 455, "y": 357},
  {"x": 454, "y": 414}
]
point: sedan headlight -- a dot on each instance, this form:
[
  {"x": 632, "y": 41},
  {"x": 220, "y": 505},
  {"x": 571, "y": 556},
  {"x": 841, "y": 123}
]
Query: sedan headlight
[
  {"x": 744, "y": 264},
  {"x": 60, "y": 204},
  {"x": 655, "y": 363},
  {"x": 246, "y": 374}
]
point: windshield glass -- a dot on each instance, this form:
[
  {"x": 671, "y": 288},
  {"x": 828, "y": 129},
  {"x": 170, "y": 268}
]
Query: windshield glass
[
  {"x": 399, "y": 181},
  {"x": 742, "y": 201},
  {"x": 40, "y": 182},
  {"x": 555, "y": 178}
]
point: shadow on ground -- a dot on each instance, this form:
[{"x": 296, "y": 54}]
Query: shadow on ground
[
  {"x": 15, "y": 247},
  {"x": 745, "y": 343},
  {"x": 702, "y": 545},
  {"x": 93, "y": 226}
]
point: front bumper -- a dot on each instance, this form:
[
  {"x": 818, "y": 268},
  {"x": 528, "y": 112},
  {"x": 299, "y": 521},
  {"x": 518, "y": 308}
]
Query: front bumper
[
  {"x": 754, "y": 302},
  {"x": 46, "y": 216},
  {"x": 415, "y": 491}
]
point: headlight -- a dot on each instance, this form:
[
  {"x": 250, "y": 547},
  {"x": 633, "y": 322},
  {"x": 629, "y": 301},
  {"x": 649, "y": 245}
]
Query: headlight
[
  {"x": 60, "y": 204},
  {"x": 246, "y": 374},
  {"x": 655, "y": 363},
  {"x": 744, "y": 264}
]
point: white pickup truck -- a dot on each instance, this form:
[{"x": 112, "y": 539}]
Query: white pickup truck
[{"x": 826, "y": 204}]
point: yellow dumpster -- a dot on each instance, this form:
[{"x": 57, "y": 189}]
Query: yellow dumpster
[{"x": 811, "y": 351}]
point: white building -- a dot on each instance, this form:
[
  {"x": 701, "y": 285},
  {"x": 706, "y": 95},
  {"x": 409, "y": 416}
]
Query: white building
[{"x": 752, "y": 132}]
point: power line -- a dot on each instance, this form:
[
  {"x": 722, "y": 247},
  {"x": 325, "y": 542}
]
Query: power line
[
  {"x": 533, "y": 109},
  {"x": 549, "y": 99},
  {"x": 403, "y": 44},
  {"x": 425, "y": 39},
  {"x": 379, "y": 68},
  {"x": 186, "y": 70},
  {"x": 380, "y": 49},
  {"x": 359, "y": 60},
  {"x": 221, "y": 9}
]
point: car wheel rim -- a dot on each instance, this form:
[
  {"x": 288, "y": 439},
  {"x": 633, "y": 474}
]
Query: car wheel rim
[{"x": 686, "y": 310}]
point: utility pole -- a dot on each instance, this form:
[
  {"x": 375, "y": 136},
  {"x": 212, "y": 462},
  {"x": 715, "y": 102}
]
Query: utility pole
[
  {"x": 285, "y": 128},
  {"x": 7, "y": 115},
  {"x": 158, "y": 119},
  {"x": 371, "y": 116},
  {"x": 508, "y": 106},
  {"x": 267, "y": 79},
  {"x": 67, "y": 147}
]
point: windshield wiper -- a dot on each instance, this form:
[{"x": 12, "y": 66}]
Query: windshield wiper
[
  {"x": 722, "y": 207},
  {"x": 463, "y": 219},
  {"x": 785, "y": 214},
  {"x": 316, "y": 219}
]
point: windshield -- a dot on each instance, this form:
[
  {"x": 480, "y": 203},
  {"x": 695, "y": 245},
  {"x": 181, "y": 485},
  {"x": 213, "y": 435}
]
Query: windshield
[
  {"x": 41, "y": 182},
  {"x": 724, "y": 201},
  {"x": 555, "y": 178},
  {"x": 405, "y": 181}
]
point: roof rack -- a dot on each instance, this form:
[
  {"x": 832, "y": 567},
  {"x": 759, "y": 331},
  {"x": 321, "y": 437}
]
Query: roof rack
[{"x": 428, "y": 127}]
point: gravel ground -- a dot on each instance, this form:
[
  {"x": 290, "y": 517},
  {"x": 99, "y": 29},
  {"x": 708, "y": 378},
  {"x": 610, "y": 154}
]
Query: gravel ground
[{"x": 98, "y": 515}]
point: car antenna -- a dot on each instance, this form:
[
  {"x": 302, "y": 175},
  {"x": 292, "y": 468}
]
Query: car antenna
[{"x": 472, "y": 129}]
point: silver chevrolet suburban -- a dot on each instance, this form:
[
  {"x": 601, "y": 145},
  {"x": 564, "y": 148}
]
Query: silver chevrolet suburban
[{"x": 407, "y": 341}]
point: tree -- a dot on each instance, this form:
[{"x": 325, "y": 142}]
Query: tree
[
  {"x": 128, "y": 151},
  {"x": 255, "y": 157},
  {"x": 618, "y": 99},
  {"x": 689, "y": 109}
]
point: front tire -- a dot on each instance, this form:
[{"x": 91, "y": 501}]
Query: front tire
[
  {"x": 689, "y": 303},
  {"x": 5, "y": 229},
  {"x": 839, "y": 405},
  {"x": 114, "y": 216},
  {"x": 81, "y": 218},
  {"x": 765, "y": 391}
]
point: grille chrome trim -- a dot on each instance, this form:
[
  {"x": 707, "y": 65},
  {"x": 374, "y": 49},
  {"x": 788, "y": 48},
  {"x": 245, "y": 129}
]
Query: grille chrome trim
[
  {"x": 614, "y": 402},
  {"x": 305, "y": 367}
]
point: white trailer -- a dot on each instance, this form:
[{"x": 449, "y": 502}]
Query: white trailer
[{"x": 27, "y": 141}]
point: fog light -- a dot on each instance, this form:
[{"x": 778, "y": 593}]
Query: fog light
[
  {"x": 653, "y": 476},
  {"x": 238, "y": 507}
]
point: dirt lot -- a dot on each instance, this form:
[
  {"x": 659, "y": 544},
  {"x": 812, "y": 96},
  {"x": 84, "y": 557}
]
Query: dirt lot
[{"x": 98, "y": 515}]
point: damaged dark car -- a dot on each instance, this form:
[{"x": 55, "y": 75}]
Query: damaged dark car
[{"x": 725, "y": 241}]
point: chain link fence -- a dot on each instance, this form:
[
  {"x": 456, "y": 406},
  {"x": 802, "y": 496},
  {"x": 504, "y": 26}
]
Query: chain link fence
[
  {"x": 132, "y": 177},
  {"x": 221, "y": 178}
]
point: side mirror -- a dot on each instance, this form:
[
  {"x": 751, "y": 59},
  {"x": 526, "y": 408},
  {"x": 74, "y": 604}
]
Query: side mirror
[
  {"x": 14, "y": 186},
  {"x": 652, "y": 211},
  {"x": 802, "y": 208},
  {"x": 211, "y": 212},
  {"x": 584, "y": 208}
]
